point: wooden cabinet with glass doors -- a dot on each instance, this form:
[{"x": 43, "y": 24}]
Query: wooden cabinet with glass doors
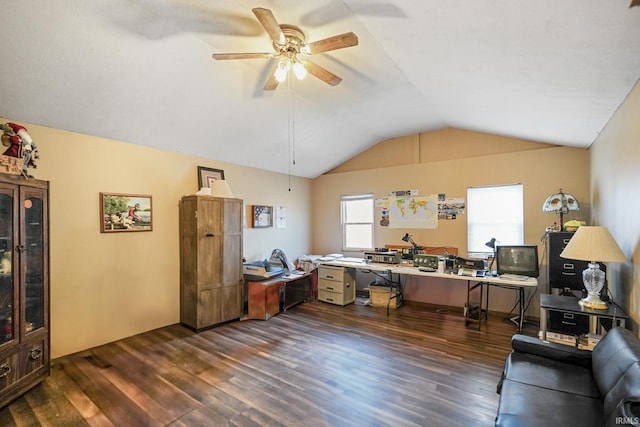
[{"x": 24, "y": 285}]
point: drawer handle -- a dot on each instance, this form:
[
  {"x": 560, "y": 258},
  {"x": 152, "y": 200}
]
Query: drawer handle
[
  {"x": 569, "y": 323},
  {"x": 564, "y": 273},
  {"x": 565, "y": 241},
  {"x": 5, "y": 370},
  {"x": 329, "y": 277},
  {"x": 329, "y": 299},
  {"x": 209, "y": 235},
  {"x": 330, "y": 288},
  {"x": 35, "y": 353},
  {"x": 568, "y": 266}
]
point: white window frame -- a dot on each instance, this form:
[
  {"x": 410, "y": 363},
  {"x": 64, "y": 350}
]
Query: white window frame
[
  {"x": 494, "y": 212},
  {"x": 344, "y": 201}
]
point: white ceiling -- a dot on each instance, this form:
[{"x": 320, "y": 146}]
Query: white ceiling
[{"x": 140, "y": 71}]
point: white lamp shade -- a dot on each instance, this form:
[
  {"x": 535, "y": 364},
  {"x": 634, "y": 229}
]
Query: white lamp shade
[
  {"x": 560, "y": 202},
  {"x": 594, "y": 244},
  {"x": 220, "y": 188}
]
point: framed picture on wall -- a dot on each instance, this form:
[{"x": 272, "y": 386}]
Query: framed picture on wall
[
  {"x": 125, "y": 212},
  {"x": 262, "y": 216},
  {"x": 207, "y": 176}
]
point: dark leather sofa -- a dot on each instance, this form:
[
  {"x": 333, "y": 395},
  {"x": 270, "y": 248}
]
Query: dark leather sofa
[{"x": 547, "y": 384}]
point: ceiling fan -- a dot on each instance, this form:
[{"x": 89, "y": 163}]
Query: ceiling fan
[{"x": 288, "y": 43}]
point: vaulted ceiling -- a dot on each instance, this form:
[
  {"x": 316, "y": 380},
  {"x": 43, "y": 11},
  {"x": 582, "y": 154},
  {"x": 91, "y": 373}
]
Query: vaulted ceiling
[{"x": 140, "y": 71}]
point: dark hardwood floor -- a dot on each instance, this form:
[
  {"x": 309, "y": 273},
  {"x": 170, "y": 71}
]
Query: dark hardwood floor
[{"x": 314, "y": 365}]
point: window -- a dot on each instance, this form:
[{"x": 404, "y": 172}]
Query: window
[
  {"x": 357, "y": 221},
  {"x": 495, "y": 211}
]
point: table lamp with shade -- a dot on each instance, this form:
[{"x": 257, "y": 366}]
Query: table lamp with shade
[
  {"x": 593, "y": 244},
  {"x": 220, "y": 188},
  {"x": 561, "y": 203}
]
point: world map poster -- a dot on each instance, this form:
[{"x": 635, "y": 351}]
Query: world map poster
[{"x": 413, "y": 212}]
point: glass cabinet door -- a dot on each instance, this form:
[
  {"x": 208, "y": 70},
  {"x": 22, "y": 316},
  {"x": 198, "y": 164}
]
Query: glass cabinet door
[
  {"x": 33, "y": 260},
  {"x": 7, "y": 286}
]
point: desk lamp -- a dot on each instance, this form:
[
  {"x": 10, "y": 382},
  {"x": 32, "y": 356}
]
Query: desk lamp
[
  {"x": 593, "y": 244},
  {"x": 407, "y": 238},
  {"x": 561, "y": 203},
  {"x": 492, "y": 244}
]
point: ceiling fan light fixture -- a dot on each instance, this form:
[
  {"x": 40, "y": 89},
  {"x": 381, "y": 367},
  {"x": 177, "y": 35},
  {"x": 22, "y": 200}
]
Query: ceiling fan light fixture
[
  {"x": 299, "y": 70},
  {"x": 282, "y": 70}
]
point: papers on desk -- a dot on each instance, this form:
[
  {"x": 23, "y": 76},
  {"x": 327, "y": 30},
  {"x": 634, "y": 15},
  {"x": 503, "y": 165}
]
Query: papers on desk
[{"x": 354, "y": 260}]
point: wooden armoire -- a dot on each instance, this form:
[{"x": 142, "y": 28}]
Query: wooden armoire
[
  {"x": 210, "y": 260},
  {"x": 24, "y": 285}
]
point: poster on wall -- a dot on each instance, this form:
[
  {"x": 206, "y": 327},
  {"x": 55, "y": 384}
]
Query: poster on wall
[
  {"x": 281, "y": 217},
  {"x": 450, "y": 208},
  {"x": 383, "y": 204},
  {"x": 413, "y": 212}
]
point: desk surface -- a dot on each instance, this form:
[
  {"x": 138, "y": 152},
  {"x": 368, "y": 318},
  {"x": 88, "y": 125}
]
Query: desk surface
[
  {"x": 531, "y": 282},
  {"x": 570, "y": 305}
]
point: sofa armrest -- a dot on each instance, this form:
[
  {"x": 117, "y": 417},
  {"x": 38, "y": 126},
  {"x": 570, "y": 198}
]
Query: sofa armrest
[{"x": 551, "y": 350}]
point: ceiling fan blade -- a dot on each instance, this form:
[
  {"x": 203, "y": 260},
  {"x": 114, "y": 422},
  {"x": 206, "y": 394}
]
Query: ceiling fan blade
[
  {"x": 322, "y": 73},
  {"x": 332, "y": 43},
  {"x": 270, "y": 25},
  {"x": 242, "y": 55},
  {"x": 271, "y": 83}
]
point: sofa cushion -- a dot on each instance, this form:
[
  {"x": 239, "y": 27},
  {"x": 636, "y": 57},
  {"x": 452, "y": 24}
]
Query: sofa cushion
[
  {"x": 625, "y": 391},
  {"x": 612, "y": 356},
  {"x": 551, "y": 350},
  {"x": 527, "y": 405},
  {"x": 549, "y": 374}
]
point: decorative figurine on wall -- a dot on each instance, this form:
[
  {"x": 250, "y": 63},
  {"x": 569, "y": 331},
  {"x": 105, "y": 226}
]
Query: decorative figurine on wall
[{"x": 20, "y": 145}]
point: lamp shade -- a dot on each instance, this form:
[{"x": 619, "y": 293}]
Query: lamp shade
[
  {"x": 593, "y": 243},
  {"x": 491, "y": 243},
  {"x": 560, "y": 202},
  {"x": 220, "y": 188}
]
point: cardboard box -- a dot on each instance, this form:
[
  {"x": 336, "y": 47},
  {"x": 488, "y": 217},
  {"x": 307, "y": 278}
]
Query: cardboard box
[{"x": 379, "y": 297}]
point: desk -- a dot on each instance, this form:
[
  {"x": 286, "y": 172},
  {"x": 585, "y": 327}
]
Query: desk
[
  {"x": 569, "y": 304},
  {"x": 472, "y": 282},
  {"x": 266, "y": 297}
]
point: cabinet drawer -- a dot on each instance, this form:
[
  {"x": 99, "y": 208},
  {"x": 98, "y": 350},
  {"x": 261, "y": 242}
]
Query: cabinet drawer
[
  {"x": 9, "y": 373},
  {"x": 332, "y": 297},
  {"x": 33, "y": 357},
  {"x": 568, "y": 323},
  {"x": 331, "y": 286},
  {"x": 331, "y": 273}
]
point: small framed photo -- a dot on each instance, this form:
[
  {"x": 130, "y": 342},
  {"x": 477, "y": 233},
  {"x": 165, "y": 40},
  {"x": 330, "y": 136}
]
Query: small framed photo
[
  {"x": 125, "y": 212},
  {"x": 207, "y": 176},
  {"x": 262, "y": 216}
]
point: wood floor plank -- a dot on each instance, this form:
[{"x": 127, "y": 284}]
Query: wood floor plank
[{"x": 315, "y": 365}]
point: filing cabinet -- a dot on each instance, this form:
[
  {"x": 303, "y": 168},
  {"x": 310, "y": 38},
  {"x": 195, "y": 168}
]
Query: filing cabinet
[
  {"x": 568, "y": 323},
  {"x": 562, "y": 272},
  {"x": 336, "y": 285}
]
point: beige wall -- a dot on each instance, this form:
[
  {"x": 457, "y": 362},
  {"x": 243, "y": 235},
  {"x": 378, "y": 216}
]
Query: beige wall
[
  {"x": 108, "y": 286},
  {"x": 615, "y": 176},
  {"x": 541, "y": 168},
  {"x": 437, "y": 146}
]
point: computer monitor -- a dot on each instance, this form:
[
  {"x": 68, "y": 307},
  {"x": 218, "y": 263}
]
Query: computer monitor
[{"x": 517, "y": 259}]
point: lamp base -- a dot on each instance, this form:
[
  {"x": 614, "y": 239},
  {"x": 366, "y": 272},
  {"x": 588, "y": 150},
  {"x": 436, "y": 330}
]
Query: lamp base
[{"x": 594, "y": 302}]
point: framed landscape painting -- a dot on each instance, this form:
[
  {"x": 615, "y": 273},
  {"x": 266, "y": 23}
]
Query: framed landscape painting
[{"x": 125, "y": 212}]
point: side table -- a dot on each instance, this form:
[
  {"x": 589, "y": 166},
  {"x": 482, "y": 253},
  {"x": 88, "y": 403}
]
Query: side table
[{"x": 568, "y": 304}]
